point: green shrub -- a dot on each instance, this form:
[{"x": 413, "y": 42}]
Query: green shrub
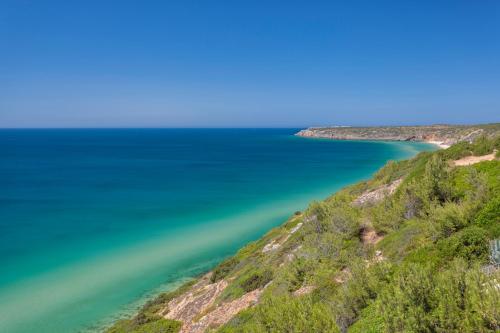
[
  {"x": 470, "y": 244},
  {"x": 448, "y": 219},
  {"x": 454, "y": 300},
  {"x": 457, "y": 151},
  {"x": 223, "y": 269},
  {"x": 489, "y": 216},
  {"x": 387, "y": 216},
  {"x": 161, "y": 325},
  {"x": 283, "y": 314},
  {"x": 482, "y": 145},
  {"x": 368, "y": 322},
  {"x": 357, "y": 292},
  {"x": 257, "y": 280},
  {"x": 473, "y": 244}
]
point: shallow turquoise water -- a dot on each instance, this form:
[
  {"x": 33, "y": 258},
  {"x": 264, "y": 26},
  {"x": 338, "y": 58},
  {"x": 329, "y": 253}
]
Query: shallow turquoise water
[{"x": 92, "y": 222}]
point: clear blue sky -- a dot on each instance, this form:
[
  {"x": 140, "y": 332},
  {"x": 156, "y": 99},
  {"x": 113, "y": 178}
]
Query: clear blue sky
[{"x": 248, "y": 63}]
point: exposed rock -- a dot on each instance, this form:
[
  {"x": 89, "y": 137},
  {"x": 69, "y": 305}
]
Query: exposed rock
[
  {"x": 271, "y": 246},
  {"x": 290, "y": 256},
  {"x": 378, "y": 256},
  {"x": 370, "y": 236},
  {"x": 297, "y": 227},
  {"x": 304, "y": 290},
  {"x": 195, "y": 301},
  {"x": 343, "y": 276},
  {"x": 276, "y": 243},
  {"x": 223, "y": 313},
  {"x": 373, "y": 196}
]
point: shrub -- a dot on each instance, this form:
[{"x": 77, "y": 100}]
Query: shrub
[
  {"x": 473, "y": 244},
  {"x": 454, "y": 300},
  {"x": 161, "y": 325},
  {"x": 355, "y": 293},
  {"x": 223, "y": 269},
  {"x": 387, "y": 215},
  {"x": 257, "y": 280},
  {"x": 470, "y": 244},
  {"x": 489, "y": 216},
  {"x": 482, "y": 145},
  {"x": 283, "y": 314},
  {"x": 448, "y": 219}
]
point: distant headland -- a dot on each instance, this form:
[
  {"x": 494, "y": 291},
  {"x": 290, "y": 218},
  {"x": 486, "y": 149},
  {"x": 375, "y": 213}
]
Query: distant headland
[{"x": 441, "y": 135}]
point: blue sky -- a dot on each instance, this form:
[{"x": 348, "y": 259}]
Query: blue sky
[{"x": 248, "y": 63}]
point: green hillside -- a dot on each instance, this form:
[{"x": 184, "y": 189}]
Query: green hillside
[{"x": 407, "y": 251}]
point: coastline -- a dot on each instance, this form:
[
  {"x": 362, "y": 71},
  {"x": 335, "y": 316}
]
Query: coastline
[
  {"x": 205, "y": 275},
  {"x": 212, "y": 300},
  {"x": 130, "y": 266},
  {"x": 442, "y": 136},
  {"x": 439, "y": 144},
  {"x": 267, "y": 277}
]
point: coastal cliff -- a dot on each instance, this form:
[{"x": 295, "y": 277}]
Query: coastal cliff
[
  {"x": 440, "y": 134},
  {"x": 408, "y": 250}
]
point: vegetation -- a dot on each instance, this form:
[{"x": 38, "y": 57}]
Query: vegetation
[
  {"x": 445, "y": 133},
  {"x": 425, "y": 271}
]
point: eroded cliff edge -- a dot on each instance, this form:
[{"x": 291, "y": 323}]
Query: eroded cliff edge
[{"x": 440, "y": 134}]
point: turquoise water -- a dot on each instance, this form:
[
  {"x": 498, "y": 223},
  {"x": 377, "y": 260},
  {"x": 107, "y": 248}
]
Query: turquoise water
[{"x": 92, "y": 222}]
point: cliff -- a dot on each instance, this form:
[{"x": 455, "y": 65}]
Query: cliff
[{"x": 445, "y": 134}]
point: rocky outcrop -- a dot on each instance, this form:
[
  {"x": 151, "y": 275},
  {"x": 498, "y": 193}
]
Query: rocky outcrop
[
  {"x": 304, "y": 290},
  {"x": 197, "y": 308},
  {"x": 276, "y": 243},
  {"x": 373, "y": 196},
  {"x": 223, "y": 313},
  {"x": 196, "y": 300},
  {"x": 445, "y": 135},
  {"x": 370, "y": 236}
]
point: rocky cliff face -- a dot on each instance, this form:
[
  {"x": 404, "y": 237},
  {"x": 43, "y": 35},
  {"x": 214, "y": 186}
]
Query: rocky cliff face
[{"x": 445, "y": 134}]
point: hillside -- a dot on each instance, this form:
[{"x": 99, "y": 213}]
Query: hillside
[
  {"x": 445, "y": 134},
  {"x": 407, "y": 251}
]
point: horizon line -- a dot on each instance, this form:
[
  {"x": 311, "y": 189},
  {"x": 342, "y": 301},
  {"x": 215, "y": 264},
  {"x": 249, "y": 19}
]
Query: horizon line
[{"x": 239, "y": 127}]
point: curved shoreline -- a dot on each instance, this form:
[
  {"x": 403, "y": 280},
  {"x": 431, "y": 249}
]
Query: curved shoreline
[
  {"x": 442, "y": 135},
  {"x": 175, "y": 285}
]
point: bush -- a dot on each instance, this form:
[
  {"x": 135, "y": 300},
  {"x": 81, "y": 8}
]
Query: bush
[
  {"x": 387, "y": 216},
  {"x": 470, "y": 244},
  {"x": 283, "y": 314},
  {"x": 257, "y": 280},
  {"x": 355, "y": 293},
  {"x": 482, "y": 145},
  {"x": 489, "y": 216},
  {"x": 448, "y": 219},
  {"x": 223, "y": 269},
  {"x": 454, "y": 300},
  {"x": 457, "y": 151},
  {"x": 161, "y": 325},
  {"x": 473, "y": 244}
]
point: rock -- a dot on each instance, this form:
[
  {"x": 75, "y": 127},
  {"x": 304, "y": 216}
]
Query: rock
[
  {"x": 373, "y": 196},
  {"x": 195, "y": 301},
  {"x": 276, "y": 243},
  {"x": 304, "y": 290},
  {"x": 223, "y": 313}
]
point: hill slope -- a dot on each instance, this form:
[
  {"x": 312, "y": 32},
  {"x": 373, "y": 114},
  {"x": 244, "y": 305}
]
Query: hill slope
[{"x": 407, "y": 251}]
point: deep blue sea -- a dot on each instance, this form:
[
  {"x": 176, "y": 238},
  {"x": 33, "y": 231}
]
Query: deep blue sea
[{"x": 95, "y": 221}]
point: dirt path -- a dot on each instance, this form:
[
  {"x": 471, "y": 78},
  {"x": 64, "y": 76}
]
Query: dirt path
[{"x": 469, "y": 160}]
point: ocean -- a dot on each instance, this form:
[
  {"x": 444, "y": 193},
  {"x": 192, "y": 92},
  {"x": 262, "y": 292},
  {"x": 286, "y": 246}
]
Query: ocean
[{"x": 95, "y": 221}]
